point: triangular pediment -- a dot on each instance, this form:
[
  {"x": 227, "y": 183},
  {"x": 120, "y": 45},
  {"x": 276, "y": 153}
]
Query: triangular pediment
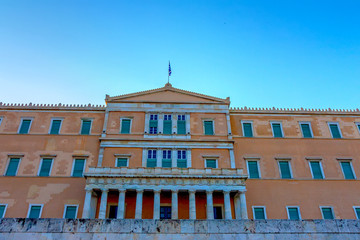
[{"x": 167, "y": 94}]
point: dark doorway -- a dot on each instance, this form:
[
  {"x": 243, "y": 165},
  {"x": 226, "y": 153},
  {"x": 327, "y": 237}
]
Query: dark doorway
[
  {"x": 113, "y": 211},
  {"x": 165, "y": 212},
  {"x": 218, "y": 213}
]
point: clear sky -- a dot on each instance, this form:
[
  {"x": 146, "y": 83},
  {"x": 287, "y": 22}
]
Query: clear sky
[{"x": 280, "y": 53}]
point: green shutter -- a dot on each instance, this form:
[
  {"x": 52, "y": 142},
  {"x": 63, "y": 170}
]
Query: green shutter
[
  {"x": 86, "y": 126},
  {"x": 294, "y": 214},
  {"x": 70, "y": 212},
  {"x": 327, "y": 213},
  {"x": 25, "y": 126},
  {"x": 55, "y": 127},
  {"x": 209, "y": 130},
  {"x": 125, "y": 126},
  {"x": 316, "y": 170},
  {"x": 277, "y": 130},
  {"x": 305, "y": 127},
  {"x": 45, "y": 167},
  {"x": 348, "y": 173},
  {"x": 247, "y": 130},
  {"x": 181, "y": 127},
  {"x": 211, "y": 163},
  {"x": 167, "y": 127},
  {"x": 253, "y": 169},
  {"x": 151, "y": 163},
  {"x": 78, "y": 167},
  {"x": 122, "y": 162},
  {"x": 12, "y": 167},
  {"x": 35, "y": 212},
  {"x": 181, "y": 163},
  {"x": 285, "y": 169},
  {"x": 357, "y": 211},
  {"x": 2, "y": 211},
  {"x": 259, "y": 213},
  {"x": 166, "y": 163},
  {"x": 335, "y": 131},
  {"x": 153, "y": 123}
]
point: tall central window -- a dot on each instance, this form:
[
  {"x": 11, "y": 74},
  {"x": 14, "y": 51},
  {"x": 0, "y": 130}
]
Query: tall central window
[
  {"x": 181, "y": 124},
  {"x": 153, "y": 124},
  {"x": 181, "y": 159},
  {"x": 151, "y": 159},
  {"x": 167, "y": 124}
]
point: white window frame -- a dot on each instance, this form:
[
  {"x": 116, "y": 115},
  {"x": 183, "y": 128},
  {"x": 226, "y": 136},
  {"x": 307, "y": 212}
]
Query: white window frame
[
  {"x": 21, "y": 122},
  {"x": 34, "y": 204},
  {"x": 8, "y": 163},
  {"x": 281, "y": 128},
  {"x": 332, "y": 210},
  {"x": 355, "y": 207},
  {"x": 352, "y": 168},
  {"x": 306, "y": 122},
  {"x": 258, "y": 166},
  {"x": 131, "y": 120},
  {"x": 6, "y": 205},
  {"x": 321, "y": 168},
  {"x": 73, "y": 165},
  {"x": 212, "y": 158},
  {"x": 71, "y": 205},
  {"x": 52, "y": 119},
  {"x": 253, "y": 210},
  {"x": 222, "y": 209},
  {"x": 127, "y": 160},
  {"x": 298, "y": 208},
  {"x": 357, "y": 126},
  {"x": 252, "y": 127},
  {"x": 336, "y": 123},
  {"x": 82, "y": 120},
  {"x": 41, "y": 163},
  {"x": 1, "y": 118},
  {"x": 289, "y": 161},
  {"x": 213, "y": 125}
]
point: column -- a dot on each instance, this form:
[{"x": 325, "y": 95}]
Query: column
[
  {"x": 187, "y": 118},
  {"x": 209, "y": 205},
  {"x": 192, "y": 205},
  {"x": 243, "y": 208},
  {"x": 103, "y": 203},
  {"x": 174, "y": 204},
  {"x": 159, "y": 158},
  {"x": 139, "y": 200},
  {"x": 174, "y": 123},
  {"x": 144, "y": 157},
  {"x": 174, "y": 158},
  {"x": 161, "y": 123},
  {"x": 147, "y": 118},
  {"x": 87, "y": 203},
  {"x": 101, "y": 156},
  {"x": 121, "y": 204},
  {"x": 232, "y": 158},
  {"x": 227, "y": 205},
  {"x": 156, "y": 204},
  {"x": 237, "y": 206},
  {"x": 188, "y": 158}
]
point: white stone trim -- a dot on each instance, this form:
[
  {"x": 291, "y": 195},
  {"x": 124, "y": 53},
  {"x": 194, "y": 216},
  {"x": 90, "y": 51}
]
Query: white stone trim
[
  {"x": 41, "y": 163},
  {"x": 338, "y": 125},
  {"x": 253, "y": 210},
  {"x": 298, "y": 208},
  {"x": 21, "y": 122},
  {"x": 34, "y": 204},
  {"x": 306, "y": 122},
  {"x": 71, "y": 205}
]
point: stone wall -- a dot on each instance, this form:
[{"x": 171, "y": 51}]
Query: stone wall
[{"x": 31, "y": 229}]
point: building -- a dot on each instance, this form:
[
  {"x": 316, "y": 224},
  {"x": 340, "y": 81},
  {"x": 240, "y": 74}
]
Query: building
[{"x": 169, "y": 153}]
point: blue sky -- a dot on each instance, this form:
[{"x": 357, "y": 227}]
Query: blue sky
[{"x": 260, "y": 53}]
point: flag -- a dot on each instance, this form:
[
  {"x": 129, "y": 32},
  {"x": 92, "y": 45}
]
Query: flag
[{"x": 169, "y": 69}]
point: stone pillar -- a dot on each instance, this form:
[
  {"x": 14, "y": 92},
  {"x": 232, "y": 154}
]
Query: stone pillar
[
  {"x": 121, "y": 204},
  {"x": 232, "y": 158},
  {"x": 87, "y": 203},
  {"x": 188, "y": 158},
  {"x": 192, "y": 204},
  {"x": 144, "y": 157},
  {"x": 243, "y": 208},
  {"x": 103, "y": 203},
  {"x": 227, "y": 205},
  {"x": 174, "y": 204},
  {"x": 159, "y": 156},
  {"x": 209, "y": 205},
  {"x": 156, "y": 214},
  {"x": 139, "y": 200},
  {"x": 161, "y": 123},
  {"x": 237, "y": 206},
  {"x": 174, "y": 158}
]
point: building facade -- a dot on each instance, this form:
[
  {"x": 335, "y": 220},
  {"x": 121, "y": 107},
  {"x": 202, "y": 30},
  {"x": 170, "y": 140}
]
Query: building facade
[{"x": 172, "y": 154}]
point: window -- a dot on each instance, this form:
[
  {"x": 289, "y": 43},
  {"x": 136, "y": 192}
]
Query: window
[
  {"x": 277, "y": 129},
  {"x": 151, "y": 160},
  {"x": 166, "y": 160},
  {"x": 316, "y": 170},
  {"x": 347, "y": 169},
  {"x": 356, "y": 209},
  {"x": 25, "y": 126},
  {"x": 209, "y": 127},
  {"x": 85, "y": 126},
  {"x": 125, "y": 126},
  {"x": 55, "y": 126},
  {"x": 181, "y": 124},
  {"x": 218, "y": 212},
  {"x": 327, "y": 212},
  {"x": 2, "y": 210},
  {"x": 285, "y": 170},
  {"x": 181, "y": 159},
  {"x": 113, "y": 211},
  {"x": 253, "y": 169},
  {"x": 45, "y": 167},
  {"x": 210, "y": 163},
  {"x": 78, "y": 167},
  {"x": 153, "y": 124},
  {"x": 247, "y": 128},
  {"x": 70, "y": 211},
  {"x": 12, "y": 167},
  {"x": 167, "y": 128},
  {"x": 122, "y": 162},
  {"x": 165, "y": 212},
  {"x": 0, "y": 120},
  {"x": 259, "y": 213},
  {"x": 34, "y": 211},
  {"x": 306, "y": 129},
  {"x": 357, "y": 124},
  {"x": 335, "y": 130},
  {"x": 293, "y": 213}
]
